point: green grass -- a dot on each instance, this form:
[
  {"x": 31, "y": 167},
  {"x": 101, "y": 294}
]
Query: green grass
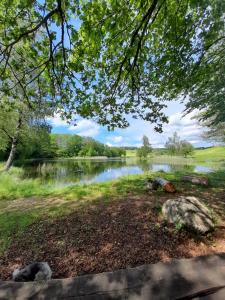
[
  {"x": 209, "y": 155},
  {"x": 13, "y": 223},
  {"x": 131, "y": 153},
  {"x": 13, "y": 187},
  {"x": 54, "y": 203}
]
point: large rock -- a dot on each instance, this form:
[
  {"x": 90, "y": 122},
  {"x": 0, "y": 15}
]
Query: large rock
[{"x": 190, "y": 212}]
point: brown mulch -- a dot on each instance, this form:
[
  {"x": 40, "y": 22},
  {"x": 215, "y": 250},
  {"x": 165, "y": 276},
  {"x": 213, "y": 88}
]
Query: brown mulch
[{"x": 104, "y": 237}]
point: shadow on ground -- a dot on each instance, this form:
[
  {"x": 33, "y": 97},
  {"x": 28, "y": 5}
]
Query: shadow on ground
[
  {"x": 157, "y": 281},
  {"x": 106, "y": 237}
]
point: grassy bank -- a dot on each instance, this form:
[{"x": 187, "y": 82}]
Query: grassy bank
[
  {"x": 13, "y": 186},
  {"x": 23, "y": 202},
  {"x": 131, "y": 153},
  {"x": 214, "y": 154}
]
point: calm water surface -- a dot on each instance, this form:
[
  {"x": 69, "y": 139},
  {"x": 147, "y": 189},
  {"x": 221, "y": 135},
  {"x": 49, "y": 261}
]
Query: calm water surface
[{"x": 69, "y": 171}]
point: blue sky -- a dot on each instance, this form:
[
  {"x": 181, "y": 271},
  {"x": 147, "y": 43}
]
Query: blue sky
[{"x": 186, "y": 127}]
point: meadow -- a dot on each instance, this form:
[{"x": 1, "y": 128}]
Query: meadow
[{"x": 208, "y": 155}]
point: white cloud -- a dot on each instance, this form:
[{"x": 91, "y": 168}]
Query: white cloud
[
  {"x": 57, "y": 121},
  {"x": 157, "y": 145},
  {"x": 115, "y": 139},
  {"x": 118, "y": 139},
  {"x": 85, "y": 128},
  {"x": 109, "y": 144},
  {"x": 179, "y": 119},
  {"x": 186, "y": 126},
  {"x": 194, "y": 141}
]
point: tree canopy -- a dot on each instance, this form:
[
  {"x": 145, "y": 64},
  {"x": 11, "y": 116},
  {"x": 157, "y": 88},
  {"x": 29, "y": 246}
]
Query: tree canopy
[
  {"x": 75, "y": 145},
  {"x": 215, "y": 132},
  {"x": 176, "y": 146},
  {"x": 151, "y": 51},
  {"x": 23, "y": 132},
  {"x": 106, "y": 59},
  {"x": 145, "y": 149}
]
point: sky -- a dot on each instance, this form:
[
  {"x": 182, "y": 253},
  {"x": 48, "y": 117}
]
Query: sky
[{"x": 186, "y": 127}]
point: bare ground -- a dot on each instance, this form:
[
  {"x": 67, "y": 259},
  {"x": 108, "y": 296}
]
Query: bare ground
[{"x": 125, "y": 233}]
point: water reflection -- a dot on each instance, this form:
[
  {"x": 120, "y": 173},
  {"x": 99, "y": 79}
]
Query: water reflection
[
  {"x": 202, "y": 169},
  {"x": 67, "y": 172}
]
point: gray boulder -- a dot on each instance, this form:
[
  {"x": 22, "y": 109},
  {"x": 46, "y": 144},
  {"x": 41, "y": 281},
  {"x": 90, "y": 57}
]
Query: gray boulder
[{"x": 190, "y": 212}]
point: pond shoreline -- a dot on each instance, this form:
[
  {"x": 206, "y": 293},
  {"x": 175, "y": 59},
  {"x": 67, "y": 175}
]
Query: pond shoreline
[
  {"x": 73, "y": 158},
  {"x": 69, "y": 171}
]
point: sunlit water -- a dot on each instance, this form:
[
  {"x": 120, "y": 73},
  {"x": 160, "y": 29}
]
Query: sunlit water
[{"x": 67, "y": 172}]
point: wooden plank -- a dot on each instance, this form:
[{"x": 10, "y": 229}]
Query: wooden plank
[{"x": 173, "y": 280}]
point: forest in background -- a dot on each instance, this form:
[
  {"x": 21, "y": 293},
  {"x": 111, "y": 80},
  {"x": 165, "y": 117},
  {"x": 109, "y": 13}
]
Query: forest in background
[{"x": 38, "y": 142}]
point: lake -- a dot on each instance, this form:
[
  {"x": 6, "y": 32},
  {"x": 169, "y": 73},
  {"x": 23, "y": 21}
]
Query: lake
[{"x": 65, "y": 172}]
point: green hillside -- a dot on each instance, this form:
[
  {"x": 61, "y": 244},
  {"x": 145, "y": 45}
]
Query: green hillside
[{"x": 210, "y": 154}]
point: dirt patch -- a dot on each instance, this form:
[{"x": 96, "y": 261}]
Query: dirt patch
[
  {"x": 122, "y": 234},
  {"x": 26, "y": 204}
]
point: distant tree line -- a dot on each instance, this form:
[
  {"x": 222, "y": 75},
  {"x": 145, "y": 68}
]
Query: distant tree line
[
  {"x": 75, "y": 145},
  {"x": 36, "y": 141},
  {"x": 130, "y": 148},
  {"x": 173, "y": 146}
]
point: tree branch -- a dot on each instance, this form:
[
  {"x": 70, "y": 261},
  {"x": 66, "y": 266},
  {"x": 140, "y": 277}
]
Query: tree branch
[
  {"x": 8, "y": 135},
  {"x": 21, "y": 85},
  {"x": 145, "y": 21},
  {"x": 28, "y": 32},
  {"x": 144, "y": 31},
  {"x": 62, "y": 32}
]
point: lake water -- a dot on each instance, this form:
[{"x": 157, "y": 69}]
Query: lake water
[{"x": 67, "y": 172}]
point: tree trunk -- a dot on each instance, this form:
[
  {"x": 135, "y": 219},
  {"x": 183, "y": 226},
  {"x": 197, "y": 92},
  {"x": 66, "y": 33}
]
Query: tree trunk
[
  {"x": 11, "y": 154},
  {"x": 165, "y": 184},
  {"x": 158, "y": 181},
  {"x": 15, "y": 140},
  {"x": 201, "y": 180}
]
